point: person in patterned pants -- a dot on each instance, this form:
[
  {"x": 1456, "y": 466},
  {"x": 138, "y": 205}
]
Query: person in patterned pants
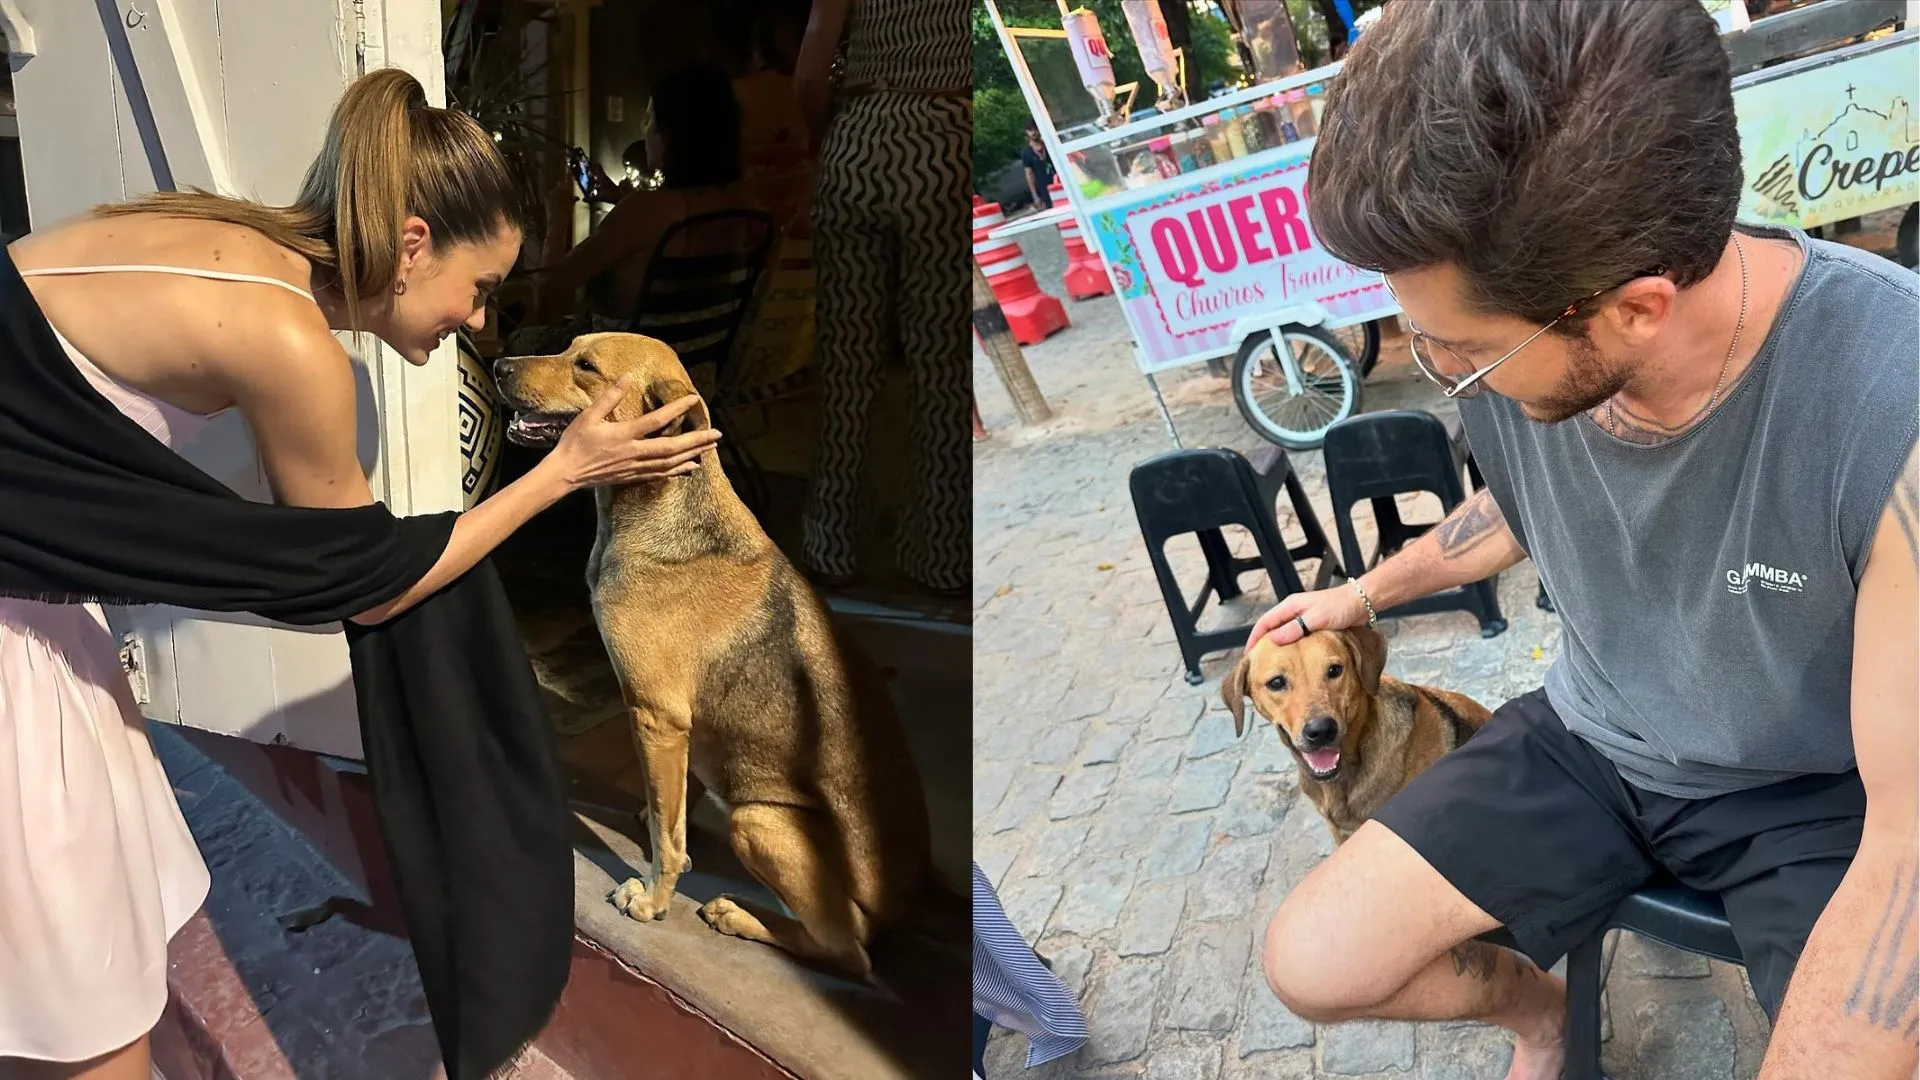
[{"x": 891, "y": 251}]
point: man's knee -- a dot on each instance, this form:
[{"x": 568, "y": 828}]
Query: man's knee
[
  {"x": 1346, "y": 939},
  {"x": 1303, "y": 967}
]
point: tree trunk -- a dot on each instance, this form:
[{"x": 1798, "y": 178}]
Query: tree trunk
[{"x": 996, "y": 339}]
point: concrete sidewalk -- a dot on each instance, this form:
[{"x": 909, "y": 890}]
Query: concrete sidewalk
[{"x": 1132, "y": 838}]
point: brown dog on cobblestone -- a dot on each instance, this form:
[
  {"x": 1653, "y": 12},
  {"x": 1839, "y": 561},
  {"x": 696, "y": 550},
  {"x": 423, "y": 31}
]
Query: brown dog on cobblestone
[
  {"x": 729, "y": 666},
  {"x": 1357, "y": 735}
]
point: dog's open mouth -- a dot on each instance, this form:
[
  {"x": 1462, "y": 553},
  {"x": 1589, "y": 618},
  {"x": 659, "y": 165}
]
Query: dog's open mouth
[
  {"x": 537, "y": 428},
  {"x": 1323, "y": 764}
]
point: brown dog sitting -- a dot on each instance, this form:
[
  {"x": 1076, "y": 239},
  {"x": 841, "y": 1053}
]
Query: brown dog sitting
[
  {"x": 1358, "y": 737},
  {"x": 729, "y": 667}
]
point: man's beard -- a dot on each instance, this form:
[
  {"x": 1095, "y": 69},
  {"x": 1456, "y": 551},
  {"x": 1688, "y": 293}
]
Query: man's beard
[{"x": 1591, "y": 381}]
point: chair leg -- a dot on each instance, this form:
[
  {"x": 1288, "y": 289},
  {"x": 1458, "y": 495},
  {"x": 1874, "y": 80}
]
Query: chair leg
[
  {"x": 1317, "y": 543},
  {"x": 1583, "y": 1009},
  {"x": 1486, "y": 605},
  {"x": 1226, "y": 584},
  {"x": 1391, "y": 531},
  {"x": 1177, "y": 611},
  {"x": 751, "y": 486}
]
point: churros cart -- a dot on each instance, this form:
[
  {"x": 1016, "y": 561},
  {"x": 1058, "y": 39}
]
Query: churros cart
[
  {"x": 1200, "y": 213},
  {"x": 1200, "y": 210}
]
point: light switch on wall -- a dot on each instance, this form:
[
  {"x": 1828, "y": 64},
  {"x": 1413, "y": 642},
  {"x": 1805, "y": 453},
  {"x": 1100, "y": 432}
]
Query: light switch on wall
[{"x": 616, "y": 108}]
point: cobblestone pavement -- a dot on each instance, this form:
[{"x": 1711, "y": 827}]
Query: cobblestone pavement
[{"x": 1131, "y": 836}]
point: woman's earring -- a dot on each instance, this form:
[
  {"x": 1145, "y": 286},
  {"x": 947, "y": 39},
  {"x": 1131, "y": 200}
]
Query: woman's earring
[{"x": 400, "y": 287}]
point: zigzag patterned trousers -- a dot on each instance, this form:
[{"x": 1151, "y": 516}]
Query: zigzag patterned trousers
[{"x": 891, "y": 244}]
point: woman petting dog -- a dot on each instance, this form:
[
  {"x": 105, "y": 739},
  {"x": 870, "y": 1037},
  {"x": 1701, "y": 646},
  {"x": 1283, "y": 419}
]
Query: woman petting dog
[
  {"x": 176, "y": 307},
  {"x": 1702, "y": 433}
]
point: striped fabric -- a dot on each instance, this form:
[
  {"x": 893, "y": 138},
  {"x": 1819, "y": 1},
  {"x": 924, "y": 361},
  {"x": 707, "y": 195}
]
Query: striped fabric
[
  {"x": 908, "y": 44},
  {"x": 1013, "y": 989},
  {"x": 890, "y": 238}
]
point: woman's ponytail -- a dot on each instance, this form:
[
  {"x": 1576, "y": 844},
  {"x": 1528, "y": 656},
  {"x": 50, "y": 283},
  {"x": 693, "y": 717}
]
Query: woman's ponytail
[{"x": 388, "y": 156}]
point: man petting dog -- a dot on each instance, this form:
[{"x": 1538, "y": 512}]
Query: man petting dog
[{"x": 1703, "y": 436}]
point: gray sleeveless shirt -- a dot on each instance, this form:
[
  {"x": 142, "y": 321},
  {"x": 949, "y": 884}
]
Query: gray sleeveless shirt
[{"x": 1706, "y": 585}]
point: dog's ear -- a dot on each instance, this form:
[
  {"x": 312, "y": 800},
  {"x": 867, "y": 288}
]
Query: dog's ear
[
  {"x": 1233, "y": 691},
  {"x": 665, "y": 391},
  {"x": 1368, "y": 648}
]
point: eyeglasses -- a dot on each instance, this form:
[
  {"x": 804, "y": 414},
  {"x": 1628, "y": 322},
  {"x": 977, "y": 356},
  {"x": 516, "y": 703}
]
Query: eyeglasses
[{"x": 1467, "y": 386}]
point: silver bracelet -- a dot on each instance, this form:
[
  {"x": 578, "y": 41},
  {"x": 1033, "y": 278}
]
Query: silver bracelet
[{"x": 1372, "y": 619}]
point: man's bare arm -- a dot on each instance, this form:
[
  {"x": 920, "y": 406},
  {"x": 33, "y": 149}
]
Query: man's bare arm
[
  {"x": 1853, "y": 1006},
  {"x": 1471, "y": 544}
]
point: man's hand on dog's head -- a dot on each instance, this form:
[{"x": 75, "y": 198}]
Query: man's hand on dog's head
[{"x": 1338, "y": 608}]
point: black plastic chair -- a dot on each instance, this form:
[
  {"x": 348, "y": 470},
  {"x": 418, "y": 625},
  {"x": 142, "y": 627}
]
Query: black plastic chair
[
  {"x": 1377, "y": 456},
  {"x": 697, "y": 293},
  {"x": 1456, "y": 434},
  {"x": 1199, "y": 491},
  {"x": 1664, "y": 911}
]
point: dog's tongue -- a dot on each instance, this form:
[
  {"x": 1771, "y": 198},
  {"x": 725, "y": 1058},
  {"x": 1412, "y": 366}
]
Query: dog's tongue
[{"x": 1321, "y": 761}]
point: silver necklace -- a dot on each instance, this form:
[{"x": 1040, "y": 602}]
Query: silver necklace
[{"x": 1739, "y": 324}]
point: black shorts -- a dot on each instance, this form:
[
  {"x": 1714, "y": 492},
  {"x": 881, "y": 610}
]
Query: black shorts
[{"x": 1539, "y": 830}]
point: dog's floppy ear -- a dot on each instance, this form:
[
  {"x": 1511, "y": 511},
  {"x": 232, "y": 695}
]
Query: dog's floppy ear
[
  {"x": 1368, "y": 647},
  {"x": 1233, "y": 691},
  {"x": 665, "y": 391}
]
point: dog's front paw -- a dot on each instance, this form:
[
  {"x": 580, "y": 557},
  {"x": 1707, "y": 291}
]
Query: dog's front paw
[
  {"x": 724, "y": 915},
  {"x": 636, "y": 900}
]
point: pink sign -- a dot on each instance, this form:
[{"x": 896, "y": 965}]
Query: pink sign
[{"x": 1215, "y": 255}]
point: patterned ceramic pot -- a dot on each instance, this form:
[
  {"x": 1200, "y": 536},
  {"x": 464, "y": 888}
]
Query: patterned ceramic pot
[{"x": 482, "y": 424}]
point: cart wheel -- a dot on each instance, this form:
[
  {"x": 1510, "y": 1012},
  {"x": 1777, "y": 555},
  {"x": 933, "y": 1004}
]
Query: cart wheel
[
  {"x": 1329, "y": 389},
  {"x": 1362, "y": 342},
  {"x": 1907, "y": 240}
]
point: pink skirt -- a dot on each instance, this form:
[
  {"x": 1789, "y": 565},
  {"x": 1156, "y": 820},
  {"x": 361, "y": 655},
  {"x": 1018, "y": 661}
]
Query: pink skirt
[{"x": 97, "y": 868}]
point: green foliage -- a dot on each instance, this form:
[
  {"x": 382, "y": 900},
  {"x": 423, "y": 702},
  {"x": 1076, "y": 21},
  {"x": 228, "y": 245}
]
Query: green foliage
[
  {"x": 999, "y": 131},
  {"x": 1000, "y": 113}
]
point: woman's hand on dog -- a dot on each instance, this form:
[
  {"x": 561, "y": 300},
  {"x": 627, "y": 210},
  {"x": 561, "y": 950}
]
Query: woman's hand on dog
[
  {"x": 599, "y": 451},
  {"x": 1338, "y": 608}
]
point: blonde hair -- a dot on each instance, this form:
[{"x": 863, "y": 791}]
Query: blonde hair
[{"x": 388, "y": 156}]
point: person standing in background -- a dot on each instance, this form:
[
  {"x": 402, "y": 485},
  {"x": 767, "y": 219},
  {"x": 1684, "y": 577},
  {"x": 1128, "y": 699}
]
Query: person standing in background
[
  {"x": 776, "y": 157},
  {"x": 891, "y": 110},
  {"x": 1039, "y": 169}
]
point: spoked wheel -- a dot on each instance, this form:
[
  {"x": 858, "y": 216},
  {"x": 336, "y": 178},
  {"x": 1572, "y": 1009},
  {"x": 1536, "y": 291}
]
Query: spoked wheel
[
  {"x": 1293, "y": 392},
  {"x": 1362, "y": 342}
]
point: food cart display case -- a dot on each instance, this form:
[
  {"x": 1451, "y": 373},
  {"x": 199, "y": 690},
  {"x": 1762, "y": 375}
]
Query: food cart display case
[
  {"x": 1200, "y": 214},
  {"x": 1199, "y": 211}
]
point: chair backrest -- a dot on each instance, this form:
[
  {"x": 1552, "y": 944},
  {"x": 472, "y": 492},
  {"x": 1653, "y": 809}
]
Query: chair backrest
[
  {"x": 1382, "y": 454},
  {"x": 1185, "y": 491},
  {"x": 700, "y": 283}
]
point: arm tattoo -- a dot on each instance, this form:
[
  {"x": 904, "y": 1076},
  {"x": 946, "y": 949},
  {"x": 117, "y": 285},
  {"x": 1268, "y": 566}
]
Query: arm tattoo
[
  {"x": 1470, "y": 524},
  {"x": 1477, "y": 959},
  {"x": 1884, "y": 988},
  {"x": 1904, "y": 504}
]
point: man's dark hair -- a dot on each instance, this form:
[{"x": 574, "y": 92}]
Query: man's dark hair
[
  {"x": 1547, "y": 148},
  {"x": 698, "y": 121}
]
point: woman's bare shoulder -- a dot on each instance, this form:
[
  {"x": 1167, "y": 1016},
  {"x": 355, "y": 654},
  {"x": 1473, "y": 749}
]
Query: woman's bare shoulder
[
  {"x": 192, "y": 337},
  {"x": 159, "y": 240}
]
